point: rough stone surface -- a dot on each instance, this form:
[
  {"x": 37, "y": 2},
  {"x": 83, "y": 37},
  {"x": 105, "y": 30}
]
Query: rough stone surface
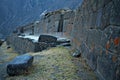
[
  {"x": 1, "y": 42},
  {"x": 59, "y": 41},
  {"x": 96, "y": 33},
  {"x": 24, "y": 45},
  {"x": 19, "y": 64},
  {"x": 47, "y": 39},
  {"x": 106, "y": 65},
  {"x": 77, "y": 53}
]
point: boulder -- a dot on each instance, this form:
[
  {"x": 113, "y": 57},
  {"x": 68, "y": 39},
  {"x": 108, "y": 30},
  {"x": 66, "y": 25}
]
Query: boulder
[
  {"x": 19, "y": 65},
  {"x": 47, "y": 39},
  {"x": 76, "y": 54},
  {"x": 1, "y": 42}
]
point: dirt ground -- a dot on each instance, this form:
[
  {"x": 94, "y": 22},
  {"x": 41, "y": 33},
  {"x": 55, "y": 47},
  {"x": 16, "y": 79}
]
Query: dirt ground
[{"x": 52, "y": 64}]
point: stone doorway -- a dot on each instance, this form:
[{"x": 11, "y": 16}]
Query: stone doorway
[{"x": 60, "y": 25}]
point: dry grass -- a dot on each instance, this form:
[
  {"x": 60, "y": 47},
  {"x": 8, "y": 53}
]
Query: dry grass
[
  {"x": 6, "y": 54},
  {"x": 53, "y": 64}
]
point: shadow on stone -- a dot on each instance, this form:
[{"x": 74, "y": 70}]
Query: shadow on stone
[
  {"x": 19, "y": 65},
  {"x": 76, "y": 54},
  {"x": 1, "y": 42},
  {"x": 47, "y": 39}
]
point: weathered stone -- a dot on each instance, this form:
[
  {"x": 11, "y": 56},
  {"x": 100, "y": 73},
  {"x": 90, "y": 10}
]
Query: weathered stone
[
  {"x": 92, "y": 59},
  {"x": 115, "y": 13},
  {"x": 1, "y": 42},
  {"x": 39, "y": 46},
  {"x": 19, "y": 65},
  {"x": 99, "y": 18},
  {"x": 8, "y": 47},
  {"x": 113, "y": 41},
  {"x": 47, "y": 38},
  {"x": 118, "y": 73},
  {"x": 106, "y": 16},
  {"x": 84, "y": 50},
  {"x": 63, "y": 40},
  {"x": 65, "y": 44},
  {"x": 77, "y": 54},
  {"x": 106, "y": 66}
]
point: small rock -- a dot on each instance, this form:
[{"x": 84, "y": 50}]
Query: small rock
[
  {"x": 19, "y": 65},
  {"x": 1, "y": 42},
  {"x": 77, "y": 53},
  {"x": 8, "y": 47},
  {"x": 65, "y": 44}
]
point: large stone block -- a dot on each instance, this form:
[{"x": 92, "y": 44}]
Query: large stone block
[
  {"x": 39, "y": 46},
  {"x": 118, "y": 72},
  {"x": 107, "y": 2},
  {"x": 106, "y": 16},
  {"x": 84, "y": 50},
  {"x": 95, "y": 38},
  {"x": 47, "y": 39},
  {"x": 113, "y": 42},
  {"x": 92, "y": 59},
  {"x": 19, "y": 64},
  {"x": 115, "y": 12},
  {"x": 106, "y": 65},
  {"x": 99, "y": 18}
]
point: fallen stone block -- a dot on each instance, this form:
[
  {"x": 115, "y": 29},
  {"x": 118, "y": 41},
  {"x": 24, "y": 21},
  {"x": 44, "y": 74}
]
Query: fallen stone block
[
  {"x": 47, "y": 39},
  {"x": 19, "y": 65}
]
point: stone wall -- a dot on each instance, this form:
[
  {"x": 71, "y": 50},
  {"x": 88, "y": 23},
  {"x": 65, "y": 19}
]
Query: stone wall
[
  {"x": 96, "y": 33},
  {"x": 51, "y": 22},
  {"x": 24, "y": 45}
]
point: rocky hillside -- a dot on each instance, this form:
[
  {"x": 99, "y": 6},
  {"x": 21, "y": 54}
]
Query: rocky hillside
[{"x": 14, "y": 13}]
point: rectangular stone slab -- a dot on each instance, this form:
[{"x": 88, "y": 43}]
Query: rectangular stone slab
[
  {"x": 19, "y": 65},
  {"x": 47, "y": 39}
]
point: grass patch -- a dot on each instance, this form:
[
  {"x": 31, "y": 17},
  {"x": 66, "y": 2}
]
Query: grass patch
[
  {"x": 52, "y": 64},
  {"x": 6, "y": 54}
]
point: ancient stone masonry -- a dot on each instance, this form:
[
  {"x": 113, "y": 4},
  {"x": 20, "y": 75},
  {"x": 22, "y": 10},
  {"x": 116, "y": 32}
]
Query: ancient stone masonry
[
  {"x": 96, "y": 34},
  {"x": 23, "y": 45},
  {"x": 58, "y": 21},
  {"x": 94, "y": 29}
]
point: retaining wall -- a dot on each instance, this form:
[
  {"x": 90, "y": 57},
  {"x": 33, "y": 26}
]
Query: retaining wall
[{"x": 96, "y": 34}]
